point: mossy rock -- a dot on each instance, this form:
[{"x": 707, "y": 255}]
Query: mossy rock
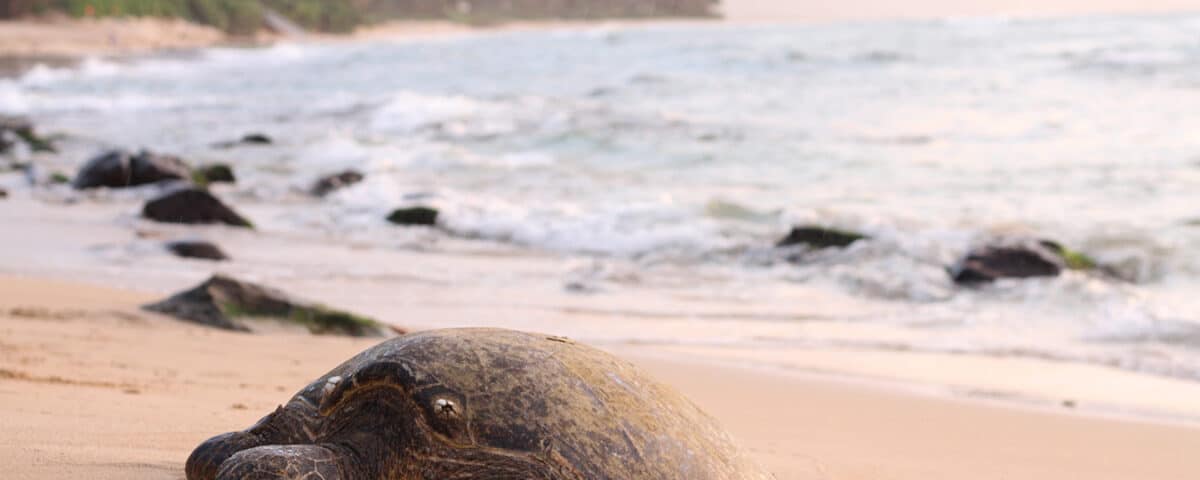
[
  {"x": 231, "y": 304},
  {"x": 1018, "y": 258}
]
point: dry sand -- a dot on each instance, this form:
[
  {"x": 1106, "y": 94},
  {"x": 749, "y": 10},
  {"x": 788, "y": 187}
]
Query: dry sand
[
  {"x": 64, "y": 37},
  {"x": 91, "y": 387}
]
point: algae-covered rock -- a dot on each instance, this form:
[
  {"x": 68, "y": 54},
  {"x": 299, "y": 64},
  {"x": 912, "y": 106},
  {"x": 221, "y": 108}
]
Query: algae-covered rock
[
  {"x": 1018, "y": 258},
  {"x": 231, "y": 304}
]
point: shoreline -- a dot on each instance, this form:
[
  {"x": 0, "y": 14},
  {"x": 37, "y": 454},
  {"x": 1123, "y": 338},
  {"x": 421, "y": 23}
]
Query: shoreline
[
  {"x": 463, "y": 283},
  {"x": 135, "y": 413}
]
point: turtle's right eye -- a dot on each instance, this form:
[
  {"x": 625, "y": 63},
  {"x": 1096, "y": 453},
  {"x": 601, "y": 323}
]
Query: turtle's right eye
[
  {"x": 445, "y": 408},
  {"x": 446, "y": 412}
]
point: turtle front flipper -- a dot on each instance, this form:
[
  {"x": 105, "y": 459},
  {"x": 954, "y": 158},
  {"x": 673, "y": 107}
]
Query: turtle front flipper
[{"x": 283, "y": 462}]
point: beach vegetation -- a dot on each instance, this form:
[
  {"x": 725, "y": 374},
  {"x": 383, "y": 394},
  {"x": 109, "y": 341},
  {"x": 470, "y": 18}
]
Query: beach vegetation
[{"x": 247, "y": 16}]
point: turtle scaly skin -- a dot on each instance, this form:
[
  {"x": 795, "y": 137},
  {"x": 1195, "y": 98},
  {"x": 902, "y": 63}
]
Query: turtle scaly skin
[{"x": 479, "y": 404}]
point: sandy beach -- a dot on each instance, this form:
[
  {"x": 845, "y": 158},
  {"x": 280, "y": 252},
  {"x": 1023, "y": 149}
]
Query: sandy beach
[
  {"x": 93, "y": 387},
  {"x": 65, "y": 37},
  {"x": 864, "y": 363}
]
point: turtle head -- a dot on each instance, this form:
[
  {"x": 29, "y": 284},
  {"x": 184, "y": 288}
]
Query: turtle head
[
  {"x": 398, "y": 404},
  {"x": 401, "y": 410},
  {"x": 405, "y": 422}
]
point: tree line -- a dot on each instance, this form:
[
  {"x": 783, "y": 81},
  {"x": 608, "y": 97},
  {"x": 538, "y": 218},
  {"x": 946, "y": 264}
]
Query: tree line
[{"x": 246, "y": 16}]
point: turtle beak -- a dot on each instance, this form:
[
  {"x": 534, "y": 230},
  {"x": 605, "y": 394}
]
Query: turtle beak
[{"x": 204, "y": 461}]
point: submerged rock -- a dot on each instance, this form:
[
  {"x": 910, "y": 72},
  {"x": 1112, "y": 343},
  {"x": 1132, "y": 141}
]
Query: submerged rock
[
  {"x": 192, "y": 206},
  {"x": 3, "y": 193},
  {"x": 819, "y": 237},
  {"x": 337, "y": 181},
  {"x": 18, "y": 129},
  {"x": 231, "y": 304},
  {"x": 119, "y": 168},
  {"x": 415, "y": 216},
  {"x": 257, "y": 139},
  {"x": 197, "y": 249},
  {"x": 213, "y": 173},
  {"x": 247, "y": 139},
  {"x": 1017, "y": 258}
]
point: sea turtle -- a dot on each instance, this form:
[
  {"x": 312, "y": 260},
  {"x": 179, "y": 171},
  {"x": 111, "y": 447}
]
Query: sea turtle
[{"x": 479, "y": 404}]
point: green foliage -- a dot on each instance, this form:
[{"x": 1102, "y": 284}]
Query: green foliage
[
  {"x": 139, "y": 8},
  {"x": 234, "y": 16},
  {"x": 329, "y": 16},
  {"x": 245, "y": 16}
]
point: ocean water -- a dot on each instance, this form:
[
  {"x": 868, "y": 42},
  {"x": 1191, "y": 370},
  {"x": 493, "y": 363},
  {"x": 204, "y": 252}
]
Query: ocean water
[{"x": 669, "y": 158}]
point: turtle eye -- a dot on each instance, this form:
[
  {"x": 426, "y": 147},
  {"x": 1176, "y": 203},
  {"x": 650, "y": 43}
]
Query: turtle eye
[
  {"x": 445, "y": 408},
  {"x": 446, "y": 412}
]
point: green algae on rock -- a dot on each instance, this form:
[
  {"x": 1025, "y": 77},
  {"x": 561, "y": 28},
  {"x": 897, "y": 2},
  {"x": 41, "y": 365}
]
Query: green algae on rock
[{"x": 230, "y": 304}]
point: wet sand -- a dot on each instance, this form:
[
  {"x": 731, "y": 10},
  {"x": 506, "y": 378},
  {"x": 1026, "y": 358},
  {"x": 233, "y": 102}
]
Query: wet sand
[{"x": 92, "y": 387}]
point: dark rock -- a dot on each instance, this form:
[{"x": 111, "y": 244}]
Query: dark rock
[
  {"x": 197, "y": 249},
  {"x": 337, "y": 181},
  {"x": 818, "y": 237},
  {"x": 3, "y": 193},
  {"x": 231, "y": 304},
  {"x": 415, "y": 216},
  {"x": 257, "y": 138},
  {"x": 191, "y": 206},
  {"x": 214, "y": 173},
  {"x": 248, "y": 139},
  {"x": 1012, "y": 258},
  {"x": 17, "y": 129},
  {"x": 119, "y": 168}
]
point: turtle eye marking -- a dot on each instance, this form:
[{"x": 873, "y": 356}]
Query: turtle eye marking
[{"x": 445, "y": 408}]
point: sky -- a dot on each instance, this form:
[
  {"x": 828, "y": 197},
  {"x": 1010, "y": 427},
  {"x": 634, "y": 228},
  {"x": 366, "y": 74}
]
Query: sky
[{"x": 825, "y": 10}]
